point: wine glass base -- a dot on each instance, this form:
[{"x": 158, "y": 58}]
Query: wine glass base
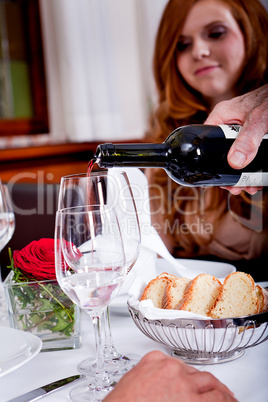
[
  {"x": 116, "y": 367},
  {"x": 87, "y": 391}
]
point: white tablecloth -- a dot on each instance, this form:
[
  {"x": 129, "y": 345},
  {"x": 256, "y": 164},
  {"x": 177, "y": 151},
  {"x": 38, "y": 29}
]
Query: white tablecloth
[{"x": 246, "y": 376}]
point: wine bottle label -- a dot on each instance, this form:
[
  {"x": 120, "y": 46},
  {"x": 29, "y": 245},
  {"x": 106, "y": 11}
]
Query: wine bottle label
[
  {"x": 256, "y": 179},
  {"x": 231, "y": 131}
]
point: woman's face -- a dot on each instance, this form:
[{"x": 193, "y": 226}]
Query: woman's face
[{"x": 211, "y": 51}]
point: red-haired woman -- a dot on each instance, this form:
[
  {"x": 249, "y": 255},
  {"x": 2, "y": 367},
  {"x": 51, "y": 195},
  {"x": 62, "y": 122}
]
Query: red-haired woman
[{"x": 207, "y": 51}]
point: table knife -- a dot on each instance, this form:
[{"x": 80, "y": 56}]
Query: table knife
[{"x": 37, "y": 393}]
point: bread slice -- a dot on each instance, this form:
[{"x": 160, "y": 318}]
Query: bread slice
[
  {"x": 200, "y": 294},
  {"x": 156, "y": 288},
  {"x": 174, "y": 292},
  {"x": 262, "y": 295},
  {"x": 265, "y": 294},
  {"x": 169, "y": 276},
  {"x": 237, "y": 297}
]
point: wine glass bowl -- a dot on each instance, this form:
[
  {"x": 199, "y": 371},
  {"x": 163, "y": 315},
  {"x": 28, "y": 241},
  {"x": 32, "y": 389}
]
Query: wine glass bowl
[
  {"x": 92, "y": 253},
  {"x": 7, "y": 217},
  {"x": 106, "y": 188},
  {"x": 90, "y": 266}
]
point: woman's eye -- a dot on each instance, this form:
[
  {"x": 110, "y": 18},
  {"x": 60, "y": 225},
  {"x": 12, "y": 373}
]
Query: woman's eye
[
  {"x": 216, "y": 34},
  {"x": 181, "y": 46}
]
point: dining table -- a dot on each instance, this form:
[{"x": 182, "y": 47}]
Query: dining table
[{"x": 246, "y": 376}]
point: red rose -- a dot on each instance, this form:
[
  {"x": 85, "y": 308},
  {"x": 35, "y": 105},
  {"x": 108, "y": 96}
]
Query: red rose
[{"x": 37, "y": 259}]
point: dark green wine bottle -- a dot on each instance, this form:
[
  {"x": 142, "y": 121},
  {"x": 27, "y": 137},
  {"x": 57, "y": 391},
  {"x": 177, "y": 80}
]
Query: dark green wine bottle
[{"x": 193, "y": 155}]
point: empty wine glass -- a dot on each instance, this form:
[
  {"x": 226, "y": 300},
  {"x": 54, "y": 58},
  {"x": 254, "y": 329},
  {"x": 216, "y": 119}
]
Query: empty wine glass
[
  {"x": 10, "y": 212},
  {"x": 107, "y": 188},
  {"x": 7, "y": 225},
  {"x": 4, "y": 219},
  {"x": 90, "y": 265}
]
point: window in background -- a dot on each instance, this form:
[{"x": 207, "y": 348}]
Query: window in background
[
  {"x": 23, "y": 100},
  {"x": 99, "y": 67}
]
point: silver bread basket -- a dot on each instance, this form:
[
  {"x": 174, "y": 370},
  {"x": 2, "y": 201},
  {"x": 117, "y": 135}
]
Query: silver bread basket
[{"x": 205, "y": 341}]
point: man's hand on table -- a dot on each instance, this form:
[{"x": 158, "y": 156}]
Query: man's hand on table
[{"x": 159, "y": 378}]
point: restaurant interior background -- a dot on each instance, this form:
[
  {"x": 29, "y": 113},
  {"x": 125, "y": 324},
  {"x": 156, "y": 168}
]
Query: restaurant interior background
[{"x": 73, "y": 74}]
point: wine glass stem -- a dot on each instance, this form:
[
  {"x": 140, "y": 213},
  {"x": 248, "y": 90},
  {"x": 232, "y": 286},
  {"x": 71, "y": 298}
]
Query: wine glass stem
[
  {"x": 110, "y": 351},
  {"x": 101, "y": 375}
]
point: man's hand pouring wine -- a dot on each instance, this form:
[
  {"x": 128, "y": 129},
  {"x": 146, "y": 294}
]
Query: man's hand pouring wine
[{"x": 251, "y": 112}]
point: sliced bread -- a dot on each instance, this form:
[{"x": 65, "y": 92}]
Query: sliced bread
[
  {"x": 237, "y": 297},
  {"x": 262, "y": 295},
  {"x": 200, "y": 294},
  {"x": 174, "y": 292},
  {"x": 155, "y": 289}
]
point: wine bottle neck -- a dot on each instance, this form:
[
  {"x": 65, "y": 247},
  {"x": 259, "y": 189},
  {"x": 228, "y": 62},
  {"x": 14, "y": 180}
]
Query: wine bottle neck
[{"x": 140, "y": 155}]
